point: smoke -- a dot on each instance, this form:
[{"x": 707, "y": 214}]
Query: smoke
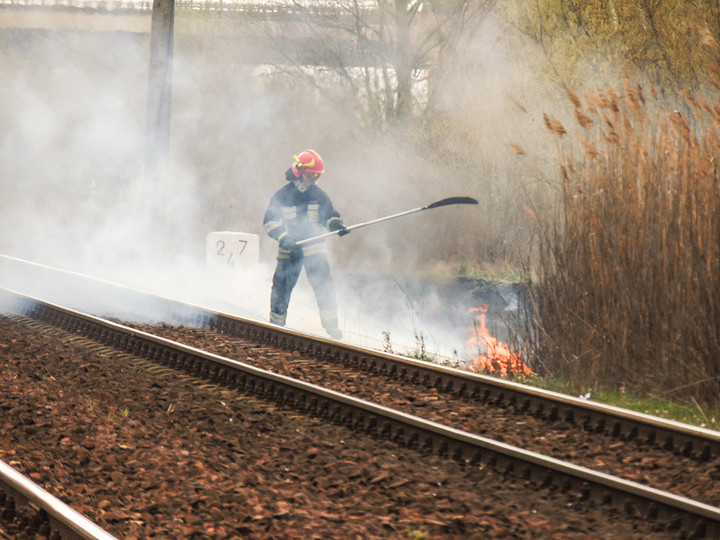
[{"x": 74, "y": 196}]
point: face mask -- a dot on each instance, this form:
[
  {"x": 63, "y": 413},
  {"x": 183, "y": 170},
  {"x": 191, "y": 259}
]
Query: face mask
[
  {"x": 303, "y": 183},
  {"x": 302, "y": 186}
]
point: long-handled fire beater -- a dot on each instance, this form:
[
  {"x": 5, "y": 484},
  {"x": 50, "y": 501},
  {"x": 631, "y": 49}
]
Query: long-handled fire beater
[{"x": 436, "y": 204}]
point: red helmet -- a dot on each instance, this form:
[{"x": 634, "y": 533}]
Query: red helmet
[{"x": 310, "y": 161}]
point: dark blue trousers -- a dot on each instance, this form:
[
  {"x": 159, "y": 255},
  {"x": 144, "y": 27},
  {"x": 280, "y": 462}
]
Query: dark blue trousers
[{"x": 317, "y": 270}]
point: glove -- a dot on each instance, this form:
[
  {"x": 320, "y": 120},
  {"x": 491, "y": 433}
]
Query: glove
[
  {"x": 338, "y": 225},
  {"x": 288, "y": 242}
]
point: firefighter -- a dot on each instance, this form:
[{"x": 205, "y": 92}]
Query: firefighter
[{"x": 297, "y": 211}]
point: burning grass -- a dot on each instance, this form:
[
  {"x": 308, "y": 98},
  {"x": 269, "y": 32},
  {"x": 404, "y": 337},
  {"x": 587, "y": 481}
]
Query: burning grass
[
  {"x": 493, "y": 356},
  {"x": 630, "y": 267}
]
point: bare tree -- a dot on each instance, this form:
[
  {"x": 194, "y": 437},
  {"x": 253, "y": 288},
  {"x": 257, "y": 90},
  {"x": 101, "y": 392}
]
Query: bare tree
[{"x": 391, "y": 53}]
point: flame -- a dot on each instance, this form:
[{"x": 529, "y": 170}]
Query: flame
[{"x": 497, "y": 356}]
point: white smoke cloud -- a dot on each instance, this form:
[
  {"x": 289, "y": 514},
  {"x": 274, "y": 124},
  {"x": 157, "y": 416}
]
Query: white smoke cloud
[{"x": 74, "y": 196}]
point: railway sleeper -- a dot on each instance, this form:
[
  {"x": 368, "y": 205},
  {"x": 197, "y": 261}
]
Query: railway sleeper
[
  {"x": 504, "y": 465},
  {"x": 23, "y": 519},
  {"x": 371, "y": 426},
  {"x": 360, "y": 422},
  {"x": 461, "y": 390}
]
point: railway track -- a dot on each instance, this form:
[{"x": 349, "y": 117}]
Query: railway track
[
  {"x": 675, "y": 511},
  {"x": 33, "y": 512},
  {"x": 662, "y": 463}
]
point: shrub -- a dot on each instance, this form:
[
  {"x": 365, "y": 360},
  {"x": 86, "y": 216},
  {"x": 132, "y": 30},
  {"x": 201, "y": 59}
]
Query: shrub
[{"x": 630, "y": 268}]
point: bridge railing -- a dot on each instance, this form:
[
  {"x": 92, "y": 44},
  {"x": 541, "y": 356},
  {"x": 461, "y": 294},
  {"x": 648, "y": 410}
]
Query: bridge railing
[{"x": 250, "y": 7}]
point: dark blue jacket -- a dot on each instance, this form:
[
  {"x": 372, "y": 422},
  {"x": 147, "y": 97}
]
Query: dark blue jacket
[{"x": 301, "y": 214}]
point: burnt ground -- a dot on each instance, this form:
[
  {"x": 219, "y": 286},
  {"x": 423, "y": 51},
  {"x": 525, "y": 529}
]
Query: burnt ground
[{"x": 149, "y": 453}]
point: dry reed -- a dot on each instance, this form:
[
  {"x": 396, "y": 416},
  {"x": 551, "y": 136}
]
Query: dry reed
[{"x": 630, "y": 272}]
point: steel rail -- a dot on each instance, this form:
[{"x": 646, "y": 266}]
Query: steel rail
[
  {"x": 692, "y": 441},
  {"x": 682, "y": 438},
  {"x": 474, "y": 450},
  {"x": 50, "y": 514}
]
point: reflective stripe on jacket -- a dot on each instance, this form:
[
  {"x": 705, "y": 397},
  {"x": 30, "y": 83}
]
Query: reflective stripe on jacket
[{"x": 302, "y": 214}]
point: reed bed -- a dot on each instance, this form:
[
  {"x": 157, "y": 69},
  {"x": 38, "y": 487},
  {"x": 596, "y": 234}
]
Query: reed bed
[{"x": 627, "y": 297}]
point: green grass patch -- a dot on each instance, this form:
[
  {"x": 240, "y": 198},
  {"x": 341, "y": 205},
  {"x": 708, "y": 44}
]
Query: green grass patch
[{"x": 687, "y": 413}]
